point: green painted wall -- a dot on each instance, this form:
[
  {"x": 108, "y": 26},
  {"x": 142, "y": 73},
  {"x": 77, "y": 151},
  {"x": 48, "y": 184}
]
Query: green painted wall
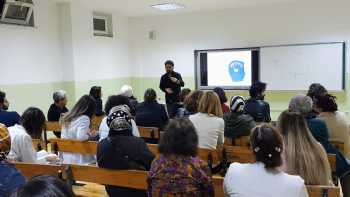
[{"x": 40, "y": 95}]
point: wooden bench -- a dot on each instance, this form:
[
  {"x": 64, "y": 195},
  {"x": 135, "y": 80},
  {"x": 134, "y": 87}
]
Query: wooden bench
[
  {"x": 30, "y": 170},
  {"x": 241, "y": 141},
  {"x": 149, "y": 132},
  {"x": 74, "y": 146},
  {"x": 340, "y": 146},
  {"x": 53, "y": 126},
  {"x": 131, "y": 178},
  {"x": 39, "y": 144},
  {"x": 56, "y": 126}
]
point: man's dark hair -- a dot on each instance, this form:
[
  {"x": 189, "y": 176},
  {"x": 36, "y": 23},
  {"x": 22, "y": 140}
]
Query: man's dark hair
[
  {"x": 2, "y": 97},
  {"x": 116, "y": 100},
  {"x": 180, "y": 138},
  {"x": 257, "y": 88},
  {"x": 95, "y": 92},
  {"x": 169, "y": 62},
  {"x": 267, "y": 144},
  {"x": 327, "y": 103},
  {"x": 221, "y": 93},
  {"x": 150, "y": 95},
  {"x": 33, "y": 121},
  {"x": 44, "y": 186},
  {"x": 316, "y": 90}
]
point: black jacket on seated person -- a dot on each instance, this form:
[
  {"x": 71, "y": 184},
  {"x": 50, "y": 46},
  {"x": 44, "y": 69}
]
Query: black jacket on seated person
[
  {"x": 238, "y": 124},
  {"x": 151, "y": 115},
  {"x": 258, "y": 109},
  {"x": 124, "y": 152}
]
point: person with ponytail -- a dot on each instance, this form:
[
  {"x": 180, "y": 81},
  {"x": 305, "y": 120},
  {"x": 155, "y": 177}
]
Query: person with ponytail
[{"x": 263, "y": 178}]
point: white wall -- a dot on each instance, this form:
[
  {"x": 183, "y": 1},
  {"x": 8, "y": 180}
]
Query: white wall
[
  {"x": 98, "y": 57},
  {"x": 32, "y": 55},
  {"x": 179, "y": 35}
]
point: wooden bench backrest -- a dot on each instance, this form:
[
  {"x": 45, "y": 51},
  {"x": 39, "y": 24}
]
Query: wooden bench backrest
[
  {"x": 338, "y": 145},
  {"x": 53, "y": 126},
  {"x": 204, "y": 154},
  {"x": 242, "y": 141},
  {"x": 123, "y": 178},
  {"x": 149, "y": 132},
  {"x": 73, "y": 146},
  {"x": 31, "y": 170},
  {"x": 38, "y": 144},
  {"x": 246, "y": 155},
  {"x": 239, "y": 154},
  {"x": 323, "y": 191},
  {"x": 132, "y": 178}
]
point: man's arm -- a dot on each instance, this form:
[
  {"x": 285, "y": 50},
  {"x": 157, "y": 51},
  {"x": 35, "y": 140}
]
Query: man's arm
[
  {"x": 162, "y": 84},
  {"x": 181, "y": 82}
]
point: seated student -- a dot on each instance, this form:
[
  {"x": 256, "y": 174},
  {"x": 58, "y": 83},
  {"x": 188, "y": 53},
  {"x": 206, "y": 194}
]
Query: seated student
[
  {"x": 11, "y": 179},
  {"x": 190, "y": 104},
  {"x": 126, "y": 90},
  {"x": 208, "y": 121},
  {"x": 44, "y": 185},
  {"x": 121, "y": 150},
  {"x": 263, "y": 178},
  {"x": 96, "y": 93},
  {"x": 178, "y": 170},
  {"x": 113, "y": 101},
  {"x": 31, "y": 127},
  {"x": 76, "y": 126},
  {"x": 179, "y": 107},
  {"x": 223, "y": 99},
  {"x": 7, "y": 118},
  {"x": 303, "y": 104},
  {"x": 255, "y": 105},
  {"x": 316, "y": 90},
  {"x": 57, "y": 108},
  {"x": 237, "y": 123},
  {"x": 336, "y": 121},
  {"x": 303, "y": 155},
  {"x": 150, "y": 113}
]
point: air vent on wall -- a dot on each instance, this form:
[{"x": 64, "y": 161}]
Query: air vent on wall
[
  {"x": 102, "y": 24},
  {"x": 18, "y": 12}
]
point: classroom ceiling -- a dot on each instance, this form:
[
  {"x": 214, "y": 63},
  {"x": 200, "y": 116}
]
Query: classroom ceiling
[{"x": 137, "y": 8}]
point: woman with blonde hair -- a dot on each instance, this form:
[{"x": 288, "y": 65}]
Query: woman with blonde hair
[
  {"x": 209, "y": 122},
  {"x": 303, "y": 155}
]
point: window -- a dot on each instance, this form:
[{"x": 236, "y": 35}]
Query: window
[
  {"x": 102, "y": 24},
  {"x": 18, "y": 12}
]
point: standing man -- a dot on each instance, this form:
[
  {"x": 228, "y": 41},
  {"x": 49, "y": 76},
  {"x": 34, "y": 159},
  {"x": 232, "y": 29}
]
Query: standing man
[
  {"x": 57, "y": 108},
  {"x": 171, "y": 83}
]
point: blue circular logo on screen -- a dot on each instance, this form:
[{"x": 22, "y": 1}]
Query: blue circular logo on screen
[{"x": 236, "y": 70}]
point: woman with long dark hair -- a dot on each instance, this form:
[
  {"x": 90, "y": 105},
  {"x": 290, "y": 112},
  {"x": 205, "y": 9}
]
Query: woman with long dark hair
[{"x": 76, "y": 126}]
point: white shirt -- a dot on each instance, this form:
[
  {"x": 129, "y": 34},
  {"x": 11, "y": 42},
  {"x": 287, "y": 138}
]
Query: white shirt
[
  {"x": 77, "y": 130},
  {"x": 22, "y": 149},
  {"x": 253, "y": 180},
  {"x": 104, "y": 129},
  {"x": 210, "y": 130}
]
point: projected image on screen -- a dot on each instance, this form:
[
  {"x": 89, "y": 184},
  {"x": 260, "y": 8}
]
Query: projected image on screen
[{"x": 231, "y": 68}]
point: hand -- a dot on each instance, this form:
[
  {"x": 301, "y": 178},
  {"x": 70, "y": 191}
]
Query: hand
[
  {"x": 52, "y": 158},
  {"x": 168, "y": 90},
  {"x": 174, "y": 80},
  {"x": 93, "y": 132}
]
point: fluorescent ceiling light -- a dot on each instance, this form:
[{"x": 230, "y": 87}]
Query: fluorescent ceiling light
[{"x": 168, "y": 6}]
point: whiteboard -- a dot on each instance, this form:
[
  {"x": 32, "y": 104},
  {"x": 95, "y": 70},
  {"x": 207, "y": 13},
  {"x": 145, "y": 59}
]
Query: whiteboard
[{"x": 295, "y": 67}]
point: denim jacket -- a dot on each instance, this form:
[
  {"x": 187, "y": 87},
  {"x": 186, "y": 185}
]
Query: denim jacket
[{"x": 10, "y": 179}]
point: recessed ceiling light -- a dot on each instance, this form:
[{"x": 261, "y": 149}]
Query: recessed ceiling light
[{"x": 168, "y": 6}]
